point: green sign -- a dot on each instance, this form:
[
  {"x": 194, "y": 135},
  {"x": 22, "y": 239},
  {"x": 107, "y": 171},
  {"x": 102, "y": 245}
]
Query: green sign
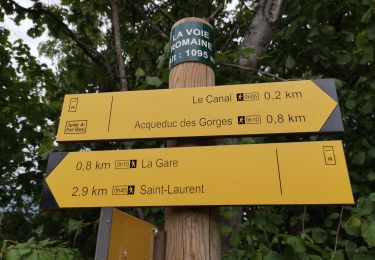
[{"x": 192, "y": 41}]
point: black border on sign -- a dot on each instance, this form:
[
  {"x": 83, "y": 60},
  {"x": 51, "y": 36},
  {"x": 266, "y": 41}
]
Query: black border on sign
[
  {"x": 334, "y": 121},
  {"x": 48, "y": 201}
]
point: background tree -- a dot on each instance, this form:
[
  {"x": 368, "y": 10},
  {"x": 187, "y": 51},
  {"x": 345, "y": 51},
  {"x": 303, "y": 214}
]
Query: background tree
[{"x": 312, "y": 39}]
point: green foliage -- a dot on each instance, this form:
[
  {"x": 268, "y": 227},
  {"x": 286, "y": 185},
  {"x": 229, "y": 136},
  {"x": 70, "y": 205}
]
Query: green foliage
[
  {"x": 314, "y": 39},
  {"x": 42, "y": 250}
]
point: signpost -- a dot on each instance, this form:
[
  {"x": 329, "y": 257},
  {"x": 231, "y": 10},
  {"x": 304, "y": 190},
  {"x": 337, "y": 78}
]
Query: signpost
[
  {"x": 249, "y": 109},
  {"x": 261, "y": 174}
]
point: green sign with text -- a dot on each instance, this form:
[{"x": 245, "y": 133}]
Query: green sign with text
[{"x": 192, "y": 41}]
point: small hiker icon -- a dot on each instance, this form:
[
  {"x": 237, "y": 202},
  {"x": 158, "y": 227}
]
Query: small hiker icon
[
  {"x": 133, "y": 163},
  {"x": 239, "y": 96},
  {"x": 130, "y": 189}
]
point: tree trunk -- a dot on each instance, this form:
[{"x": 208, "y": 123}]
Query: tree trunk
[
  {"x": 260, "y": 31},
  {"x": 118, "y": 48}
]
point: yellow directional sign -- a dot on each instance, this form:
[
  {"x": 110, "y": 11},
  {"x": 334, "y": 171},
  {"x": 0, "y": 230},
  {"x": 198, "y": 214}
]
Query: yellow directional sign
[
  {"x": 283, "y": 173},
  {"x": 250, "y": 109},
  {"x": 122, "y": 236},
  {"x": 131, "y": 238}
]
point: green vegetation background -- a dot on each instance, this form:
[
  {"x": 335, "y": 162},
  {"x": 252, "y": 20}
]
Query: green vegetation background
[{"x": 314, "y": 39}]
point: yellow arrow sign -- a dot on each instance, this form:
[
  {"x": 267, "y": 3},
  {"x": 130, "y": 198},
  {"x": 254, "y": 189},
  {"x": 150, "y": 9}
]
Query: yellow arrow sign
[
  {"x": 284, "y": 173},
  {"x": 250, "y": 109}
]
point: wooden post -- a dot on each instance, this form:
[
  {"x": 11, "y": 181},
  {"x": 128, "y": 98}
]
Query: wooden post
[{"x": 192, "y": 232}]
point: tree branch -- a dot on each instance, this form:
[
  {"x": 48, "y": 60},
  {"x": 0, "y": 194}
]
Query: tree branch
[
  {"x": 253, "y": 70},
  {"x": 226, "y": 44},
  {"x": 90, "y": 52},
  {"x": 215, "y": 13},
  {"x": 118, "y": 48},
  {"x": 140, "y": 11},
  {"x": 338, "y": 229},
  {"x": 163, "y": 12},
  {"x": 303, "y": 218}
]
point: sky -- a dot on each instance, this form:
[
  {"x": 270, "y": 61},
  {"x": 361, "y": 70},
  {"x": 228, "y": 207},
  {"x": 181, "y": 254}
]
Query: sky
[{"x": 20, "y": 32}]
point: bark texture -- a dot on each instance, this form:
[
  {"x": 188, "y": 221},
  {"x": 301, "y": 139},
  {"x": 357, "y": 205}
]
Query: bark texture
[
  {"x": 260, "y": 31},
  {"x": 118, "y": 48}
]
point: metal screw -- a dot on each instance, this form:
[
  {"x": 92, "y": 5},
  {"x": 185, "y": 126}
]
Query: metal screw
[{"x": 125, "y": 255}]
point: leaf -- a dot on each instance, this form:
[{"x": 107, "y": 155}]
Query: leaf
[
  {"x": 23, "y": 251},
  {"x": 365, "y": 206},
  {"x": 366, "y": 16},
  {"x": 371, "y": 176},
  {"x": 319, "y": 235},
  {"x": 371, "y": 153},
  {"x": 166, "y": 48},
  {"x": 46, "y": 255},
  {"x": 12, "y": 255},
  {"x": 3, "y": 247},
  {"x": 367, "y": 56},
  {"x": 337, "y": 255},
  {"x": 139, "y": 73},
  {"x": 361, "y": 39},
  {"x": 312, "y": 246},
  {"x": 359, "y": 158},
  {"x": 352, "y": 225},
  {"x": 367, "y": 108},
  {"x": 315, "y": 257},
  {"x": 272, "y": 255},
  {"x": 154, "y": 81},
  {"x": 290, "y": 62},
  {"x": 74, "y": 225},
  {"x": 297, "y": 244},
  {"x": 361, "y": 256},
  {"x": 350, "y": 246},
  {"x": 61, "y": 255},
  {"x": 371, "y": 33},
  {"x": 33, "y": 255},
  {"x": 328, "y": 222},
  {"x": 350, "y": 104},
  {"x": 47, "y": 242},
  {"x": 368, "y": 232},
  {"x": 343, "y": 58},
  {"x": 225, "y": 229},
  {"x": 372, "y": 197},
  {"x": 234, "y": 239},
  {"x": 35, "y": 32}
]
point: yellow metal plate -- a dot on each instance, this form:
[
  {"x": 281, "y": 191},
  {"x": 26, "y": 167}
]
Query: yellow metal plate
[
  {"x": 283, "y": 173},
  {"x": 131, "y": 238},
  {"x": 250, "y": 109}
]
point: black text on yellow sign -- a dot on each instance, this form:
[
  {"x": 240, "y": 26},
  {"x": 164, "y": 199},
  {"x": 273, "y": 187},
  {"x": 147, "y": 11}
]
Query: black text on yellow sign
[
  {"x": 251, "y": 109},
  {"x": 261, "y": 174}
]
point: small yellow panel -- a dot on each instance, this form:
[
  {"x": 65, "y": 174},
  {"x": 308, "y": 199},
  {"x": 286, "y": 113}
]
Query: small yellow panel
[
  {"x": 131, "y": 238},
  {"x": 267, "y": 108},
  {"x": 283, "y": 173}
]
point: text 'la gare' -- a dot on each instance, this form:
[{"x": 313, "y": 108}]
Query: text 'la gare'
[{"x": 159, "y": 163}]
